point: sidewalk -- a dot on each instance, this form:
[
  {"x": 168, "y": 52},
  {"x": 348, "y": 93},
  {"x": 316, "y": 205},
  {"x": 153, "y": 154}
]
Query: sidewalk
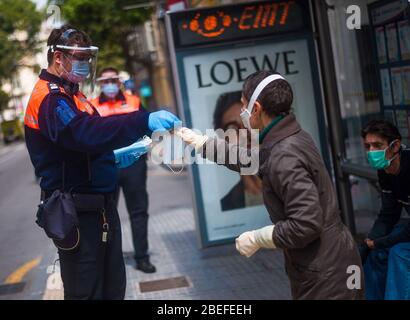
[
  {"x": 211, "y": 273},
  {"x": 183, "y": 270}
]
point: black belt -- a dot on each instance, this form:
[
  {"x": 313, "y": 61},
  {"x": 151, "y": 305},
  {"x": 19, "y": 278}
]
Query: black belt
[{"x": 86, "y": 201}]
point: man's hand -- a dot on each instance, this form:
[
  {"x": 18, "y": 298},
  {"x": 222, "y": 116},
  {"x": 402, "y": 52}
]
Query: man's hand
[
  {"x": 364, "y": 251},
  {"x": 370, "y": 243},
  {"x": 163, "y": 121},
  {"x": 190, "y": 137},
  {"x": 251, "y": 241},
  {"x": 246, "y": 244}
]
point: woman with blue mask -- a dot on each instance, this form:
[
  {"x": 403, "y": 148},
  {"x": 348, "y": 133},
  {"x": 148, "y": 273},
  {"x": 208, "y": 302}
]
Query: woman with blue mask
[
  {"x": 386, "y": 251},
  {"x": 132, "y": 178},
  {"x": 110, "y": 89}
]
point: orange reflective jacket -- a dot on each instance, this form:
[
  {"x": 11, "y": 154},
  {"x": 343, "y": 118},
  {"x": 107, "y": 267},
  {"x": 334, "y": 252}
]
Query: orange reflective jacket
[
  {"x": 108, "y": 108},
  {"x": 40, "y": 91}
]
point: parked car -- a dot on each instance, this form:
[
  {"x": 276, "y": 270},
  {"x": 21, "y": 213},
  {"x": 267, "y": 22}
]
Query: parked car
[{"x": 11, "y": 126}]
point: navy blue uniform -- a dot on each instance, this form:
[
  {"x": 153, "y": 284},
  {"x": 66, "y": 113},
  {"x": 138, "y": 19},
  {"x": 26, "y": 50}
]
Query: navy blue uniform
[
  {"x": 63, "y": 128},
  {"x": 67, "y": 134}
]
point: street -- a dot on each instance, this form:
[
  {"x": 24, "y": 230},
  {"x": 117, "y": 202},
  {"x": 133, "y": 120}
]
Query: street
[
  {"x": 27, "y": 256},
  {"x": 24, "y": 248},
  {"x": 291, "y": 120}
]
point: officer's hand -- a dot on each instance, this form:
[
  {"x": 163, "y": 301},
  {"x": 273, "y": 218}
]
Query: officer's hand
[
  {"x": 124, "y": 160},
  {"x": 162, "y": 121},
  {"x": 126, "y": 156}
]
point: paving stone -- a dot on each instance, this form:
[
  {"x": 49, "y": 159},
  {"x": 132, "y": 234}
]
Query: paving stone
[{"x": 215, "y": 272}]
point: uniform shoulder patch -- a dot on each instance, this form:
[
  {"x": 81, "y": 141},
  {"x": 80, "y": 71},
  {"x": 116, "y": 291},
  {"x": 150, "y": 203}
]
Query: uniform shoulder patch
[
  {"x": 64, "y": 112},
  {"x": 53, "y": 87}
]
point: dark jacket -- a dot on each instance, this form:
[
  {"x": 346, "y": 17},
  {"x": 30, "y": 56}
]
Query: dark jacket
[
  {"x": 67, "y": 135},
  {"x": 301, "y": 201},
  {"x": 395, "y": 195}
]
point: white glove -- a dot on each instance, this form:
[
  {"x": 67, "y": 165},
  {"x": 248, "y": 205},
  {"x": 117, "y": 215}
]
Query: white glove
[
  {"x": 251, "y": 241},
  {"x": 190, "y": 137},
  {"x": 246, "y": 244},
  {"x": 263, "y": 237}
]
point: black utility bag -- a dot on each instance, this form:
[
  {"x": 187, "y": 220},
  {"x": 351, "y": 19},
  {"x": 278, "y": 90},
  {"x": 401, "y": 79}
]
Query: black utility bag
[{"x": 57, "y": 215}]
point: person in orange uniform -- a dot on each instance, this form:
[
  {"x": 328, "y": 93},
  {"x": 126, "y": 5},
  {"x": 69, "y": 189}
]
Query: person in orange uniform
[
  {"x": 133, "y": 179},
  {"x": 72, "y": 149}
]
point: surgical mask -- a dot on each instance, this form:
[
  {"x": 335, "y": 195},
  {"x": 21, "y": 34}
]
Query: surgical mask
[
  {"x": 377, "y": 158},
  {"x": 246, "y": 114},
  {"x": 126, "y": 156},
  {"x": 173, "y": 150},
  {"x": 110, "y": 89},
  {"x": 79, "y": 71},
  {"x": 168, "y": 149}
]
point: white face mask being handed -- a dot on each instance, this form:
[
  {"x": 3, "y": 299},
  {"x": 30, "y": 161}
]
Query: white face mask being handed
[
  {"x": 246, "y": 114},
  {"x": 168, "y": 149}
]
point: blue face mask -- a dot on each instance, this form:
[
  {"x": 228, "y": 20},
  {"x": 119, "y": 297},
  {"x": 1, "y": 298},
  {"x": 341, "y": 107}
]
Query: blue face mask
[
  {"x": 79, "y": 71},
  {"x": 110, "y": 89}
]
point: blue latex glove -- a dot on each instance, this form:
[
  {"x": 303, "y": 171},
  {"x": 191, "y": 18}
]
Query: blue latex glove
[
  {"x": 162, "y": 121},
  {"x": 126, "y": 156}
]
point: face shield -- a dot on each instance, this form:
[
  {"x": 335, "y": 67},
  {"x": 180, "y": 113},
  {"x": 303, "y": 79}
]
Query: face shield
[
  {"x": 109, "y": 84},
  {"x": 79, "y": 65}
]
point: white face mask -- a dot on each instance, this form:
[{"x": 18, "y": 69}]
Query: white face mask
[
  {"x": 173, "y": 150},
  {"x": 246, "y": 113},
  {"x": 169, "y": 151}
]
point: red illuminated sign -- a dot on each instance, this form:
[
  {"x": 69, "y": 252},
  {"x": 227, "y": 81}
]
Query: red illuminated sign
[{"x": 230, "y": 22}]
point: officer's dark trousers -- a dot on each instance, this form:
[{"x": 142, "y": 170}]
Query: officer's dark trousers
[
  {"x": 133, "y": 182},
  {"x": 95, "y": 270}
]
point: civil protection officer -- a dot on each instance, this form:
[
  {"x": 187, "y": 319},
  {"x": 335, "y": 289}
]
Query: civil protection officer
[
  {"x": 71, "y": 148},
  {"x": 386, "y": 251},
  {"x": 133, "y": 179}
]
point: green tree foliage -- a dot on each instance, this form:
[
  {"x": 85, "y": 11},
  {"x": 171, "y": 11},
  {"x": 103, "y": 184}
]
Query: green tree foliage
[
  {"x": 19, "y": 25},
  {"x": 108, "y": 25},
  {"x": 4, "y": 100}
]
